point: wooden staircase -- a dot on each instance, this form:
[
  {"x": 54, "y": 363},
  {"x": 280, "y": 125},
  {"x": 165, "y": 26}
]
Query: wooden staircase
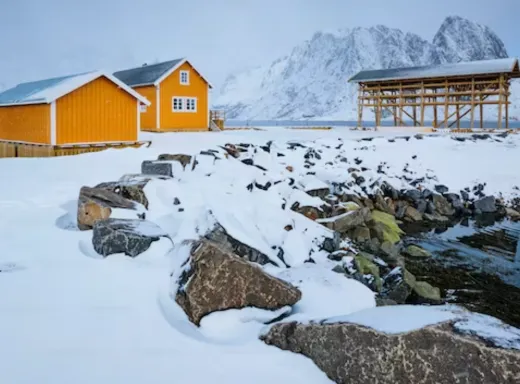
[{"x": 217, "y": 119}]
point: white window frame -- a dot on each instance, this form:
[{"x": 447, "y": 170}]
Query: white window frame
[
  {"x": 143, "y": 108},
  {"x": 184, "y": 103},
  {"x": 187, "y": 73}
]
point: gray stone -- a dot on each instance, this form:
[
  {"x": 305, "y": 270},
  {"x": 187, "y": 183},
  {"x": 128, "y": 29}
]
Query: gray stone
[
  {"x": 413, "y": 195},
  {"x": 217, "y": 280},
  {"x": 384, "y": 302},
  {"x": 163, "y": 168},
  {"x": 413, "y": 214},
  {"x": 426, "y": 194},
  {"x": 422, "y": 206},
  {"x": 350, "y": 353},
  {"x": 131, "y": 237},
  {"x": 131, "y": 190},
  {"x": 436, "y": 218},
  {"x": 486, "y": 204},
  {"x": 381, "y": 205},
  {"x": 442, "y": 205},
  {"x": 441, "y": 189},
  {"x": 181, "y": 158},
  {"x": 389, "y": 191},
  {"x": 347, "y": 221},
  {"x": 320, "y": 192},
  {"x": 417, "y": 252}
]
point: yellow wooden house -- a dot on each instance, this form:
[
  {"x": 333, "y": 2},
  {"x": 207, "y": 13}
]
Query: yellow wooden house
[{"x": 178, "y": 93}]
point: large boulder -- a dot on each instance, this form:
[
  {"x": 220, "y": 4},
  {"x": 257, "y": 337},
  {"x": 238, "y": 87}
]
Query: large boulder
[
  {"x": 157, "y": 168},
  {"x": 220, "y": 236},
  {"x": 443, "y": 352},
  {"x": 218, "y": 280},
  {"x": 127, "y": 236},
  {"x": 347, "y": 221},
  {"x": 96, "y": 204},
  {"x": 442, "y": 205}
]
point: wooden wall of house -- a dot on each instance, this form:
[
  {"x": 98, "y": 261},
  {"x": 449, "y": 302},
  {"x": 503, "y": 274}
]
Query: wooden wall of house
[
  {"x": 171, "y": 87},
  {"x": 149, "y": 118},
  {"x": 26, "y": 123},
  {"x": 98, "y": 112}
]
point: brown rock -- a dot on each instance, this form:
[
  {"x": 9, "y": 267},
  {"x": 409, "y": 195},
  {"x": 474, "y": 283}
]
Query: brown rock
[
  {"x": 181, "y": 158},
  {"x": 412, "y": 214},
  {"x": 442, "y": 205},
  {"x": 289, "y": 168},
  {"x": 312, "y": 213},
  {"x": 368, "y": 203},
  {"x": 96, "y": 204},
  {"x": 347, "y": 221},
  {"x": 218, "y": 280},
  {"x": 351, "y": 353}
]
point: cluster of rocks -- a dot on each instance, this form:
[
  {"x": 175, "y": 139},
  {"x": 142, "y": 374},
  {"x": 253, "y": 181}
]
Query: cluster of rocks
[{"x": 223, "y": 273}]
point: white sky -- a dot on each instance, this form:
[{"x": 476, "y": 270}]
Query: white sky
[{"x": 42, "y": 38}]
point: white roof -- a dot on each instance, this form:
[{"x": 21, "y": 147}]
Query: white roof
[
  {"x": 443, "y": 70},
  {"x": 47, "y": 91}
]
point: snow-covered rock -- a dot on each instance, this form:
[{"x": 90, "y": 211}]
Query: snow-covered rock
[{"x": 311, "y": 81}]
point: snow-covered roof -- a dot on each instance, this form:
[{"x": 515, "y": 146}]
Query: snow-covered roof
[
  {"x": 48, "y": 90},
  {"x": 507, "y": 65},
  {"x": 151, "y": 74}
]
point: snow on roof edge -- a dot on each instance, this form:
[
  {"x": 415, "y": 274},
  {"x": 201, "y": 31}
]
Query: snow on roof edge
[
  {"x": 430, "y": 70},
  {"x": 175, "y": 67},
  {"x": 66, "y": 86}
]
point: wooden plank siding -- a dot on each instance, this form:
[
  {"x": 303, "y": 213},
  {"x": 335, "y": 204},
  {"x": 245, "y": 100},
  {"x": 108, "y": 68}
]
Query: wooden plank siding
[
  {"x": 149, "y": 118},
  {"x": 26, "y": 123},
  {"x": 171, "y": 87},
  {"x": 98, "y": 112}
]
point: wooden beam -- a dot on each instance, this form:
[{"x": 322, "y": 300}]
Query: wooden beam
[
  {"x": 500, "y": 102},
  {"x": 446, "y": 108},
  {"x": 472, "y": 118},
  {"x": 360, "y": 106},
  {"x": 422, "y": 105},
  {"x": 481, "y": 111},
  {"x": 507, "y": 103}
]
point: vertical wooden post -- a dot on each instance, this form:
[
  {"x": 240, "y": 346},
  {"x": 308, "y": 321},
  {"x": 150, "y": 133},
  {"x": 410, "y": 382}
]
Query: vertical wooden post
[
  {"x": 394, "y": 107},
  {"x": 422, "y": 104},
  {"x": 401, "y": 103},
  {"x": 481, "y": 111},
  {"x": 415, "y": 114},
  {"x": 446, "y": 103},
  {"x": 435, "y": 109},
  {"x": 458, "y": 111},
  {"x": 507, "y": 103},
  {"x": 500, "y": 85},
  {"x": 472, "y": 118},
  {"x": 360, "y": 105}
]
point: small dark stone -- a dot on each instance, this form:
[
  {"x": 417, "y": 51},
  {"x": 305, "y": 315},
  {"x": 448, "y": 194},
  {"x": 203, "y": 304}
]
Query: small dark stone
[
  {"x": 441, "y": 189},
  {"x": 248, "y": 161},
  {"x": 176, "y": 201},
  {"x": 422, "y": 205},
  {"x": 413, "y": 195}
]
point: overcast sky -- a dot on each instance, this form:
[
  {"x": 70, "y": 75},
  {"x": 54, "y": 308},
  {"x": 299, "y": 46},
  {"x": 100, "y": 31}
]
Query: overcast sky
[{"x": 41, "y": 38}]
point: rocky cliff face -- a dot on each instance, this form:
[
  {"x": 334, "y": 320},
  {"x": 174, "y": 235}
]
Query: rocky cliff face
[{"x": 311, "y": 82}]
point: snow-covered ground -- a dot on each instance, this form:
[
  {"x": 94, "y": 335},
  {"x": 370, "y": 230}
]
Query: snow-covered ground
[{"x": 70, "y": 316}]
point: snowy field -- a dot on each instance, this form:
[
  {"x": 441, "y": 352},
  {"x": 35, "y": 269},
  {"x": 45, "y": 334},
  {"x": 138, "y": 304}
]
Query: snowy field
[{"x": 70, "y": 316}]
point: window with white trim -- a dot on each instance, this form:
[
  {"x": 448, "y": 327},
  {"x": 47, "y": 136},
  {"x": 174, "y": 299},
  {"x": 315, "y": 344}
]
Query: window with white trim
[
  {"x": 184, "y": 104},
  {"x": 185, "y": 77}
]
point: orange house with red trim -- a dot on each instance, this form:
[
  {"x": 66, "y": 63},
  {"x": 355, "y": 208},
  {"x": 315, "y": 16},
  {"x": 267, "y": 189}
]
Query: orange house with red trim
[
  {"x": 88, "y": 108},
  {"x": 178, "y": 93}
]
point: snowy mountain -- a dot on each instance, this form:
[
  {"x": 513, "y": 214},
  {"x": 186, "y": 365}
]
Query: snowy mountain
[{"x": 311, "y": 82}]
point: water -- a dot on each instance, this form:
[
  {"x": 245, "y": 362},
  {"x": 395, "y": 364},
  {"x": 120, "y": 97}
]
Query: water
[
  {"x": 493, "y": 249},
  {"x": 341, "y": 123}
]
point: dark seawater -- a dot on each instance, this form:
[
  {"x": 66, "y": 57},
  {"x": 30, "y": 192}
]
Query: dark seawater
[
  {"x": 476, "y": 264},
  {"x": 339, "y": 123}
]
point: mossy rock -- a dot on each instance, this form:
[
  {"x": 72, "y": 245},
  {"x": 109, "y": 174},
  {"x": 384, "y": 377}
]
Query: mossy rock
[
  {"x": 427, "y": 291},
  {"x": 391, "y": 231},
  {"x": 350, "y": 206},
  {"x": 417, "y": 252},
  {"x": 367, "y": 267}
]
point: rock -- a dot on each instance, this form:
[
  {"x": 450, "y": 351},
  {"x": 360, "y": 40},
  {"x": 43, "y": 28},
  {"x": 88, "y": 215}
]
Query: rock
[
  {"x": 390, "y": 253},
  {"x": 347, "y": 221},
  {"x": 383, "y": 302},
  {"x": 181, "y": 158},
  {"x": 426, "y": 194},
  {"x": 220, "y": 236},
  {"x": 465, "y": 195},
  {"x": 426, "y": 292},
  {"x": 513, "y": 214},
  {"x": 289, "y": 168},
  {"x": 96, "y": 204},
  {"x": 366, "y": 267},
  {"x": 131, "y": 237},
  {"x": 400, "y": 209},
  {"x": 368, "y": 203},
  {"x": 441, "y": 189},
  {"x": 218, "y": 280},
  {"x": 389, "y": 191},
  {"x": 398, "y": 285},
  {"x": 361, "y": 234},
  {"x": 436, "y": 218},
  {"x": 430, "y": 208},
  {"x": 486, "y": 204},
  {"x": 455, "y": 201},
  {"x": 320, "y": 192},
  {"x": 381, "y": 205},
  {"x": 312, "y": 213},
  {"x": 391, "y": 231},
  {"x": 339, "y": 255},
  {"x": 417, "y": 252},
  {"x": 442, "y": 205},
  {"x": 422, "y": 206},
  {"x": 349, "y": 197},
  {"x": 163, "y": 168},
  {"x": 131, "y": 190},
  {"x": 412, "y": 214},
  {"x": 413, "y": 195},
  {"x": 232, "y": 150},
  {"x": 349, "y": 206},
  {"x": 331, "y": 244},
  {"x": 357, "y": 353}
]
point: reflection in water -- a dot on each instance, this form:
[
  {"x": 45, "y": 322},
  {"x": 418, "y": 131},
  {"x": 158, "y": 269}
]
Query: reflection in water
[{"x": 493, "y": 249}]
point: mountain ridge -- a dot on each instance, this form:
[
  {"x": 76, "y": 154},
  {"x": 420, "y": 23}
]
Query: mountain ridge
[{"x": 311, "y": 80}]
